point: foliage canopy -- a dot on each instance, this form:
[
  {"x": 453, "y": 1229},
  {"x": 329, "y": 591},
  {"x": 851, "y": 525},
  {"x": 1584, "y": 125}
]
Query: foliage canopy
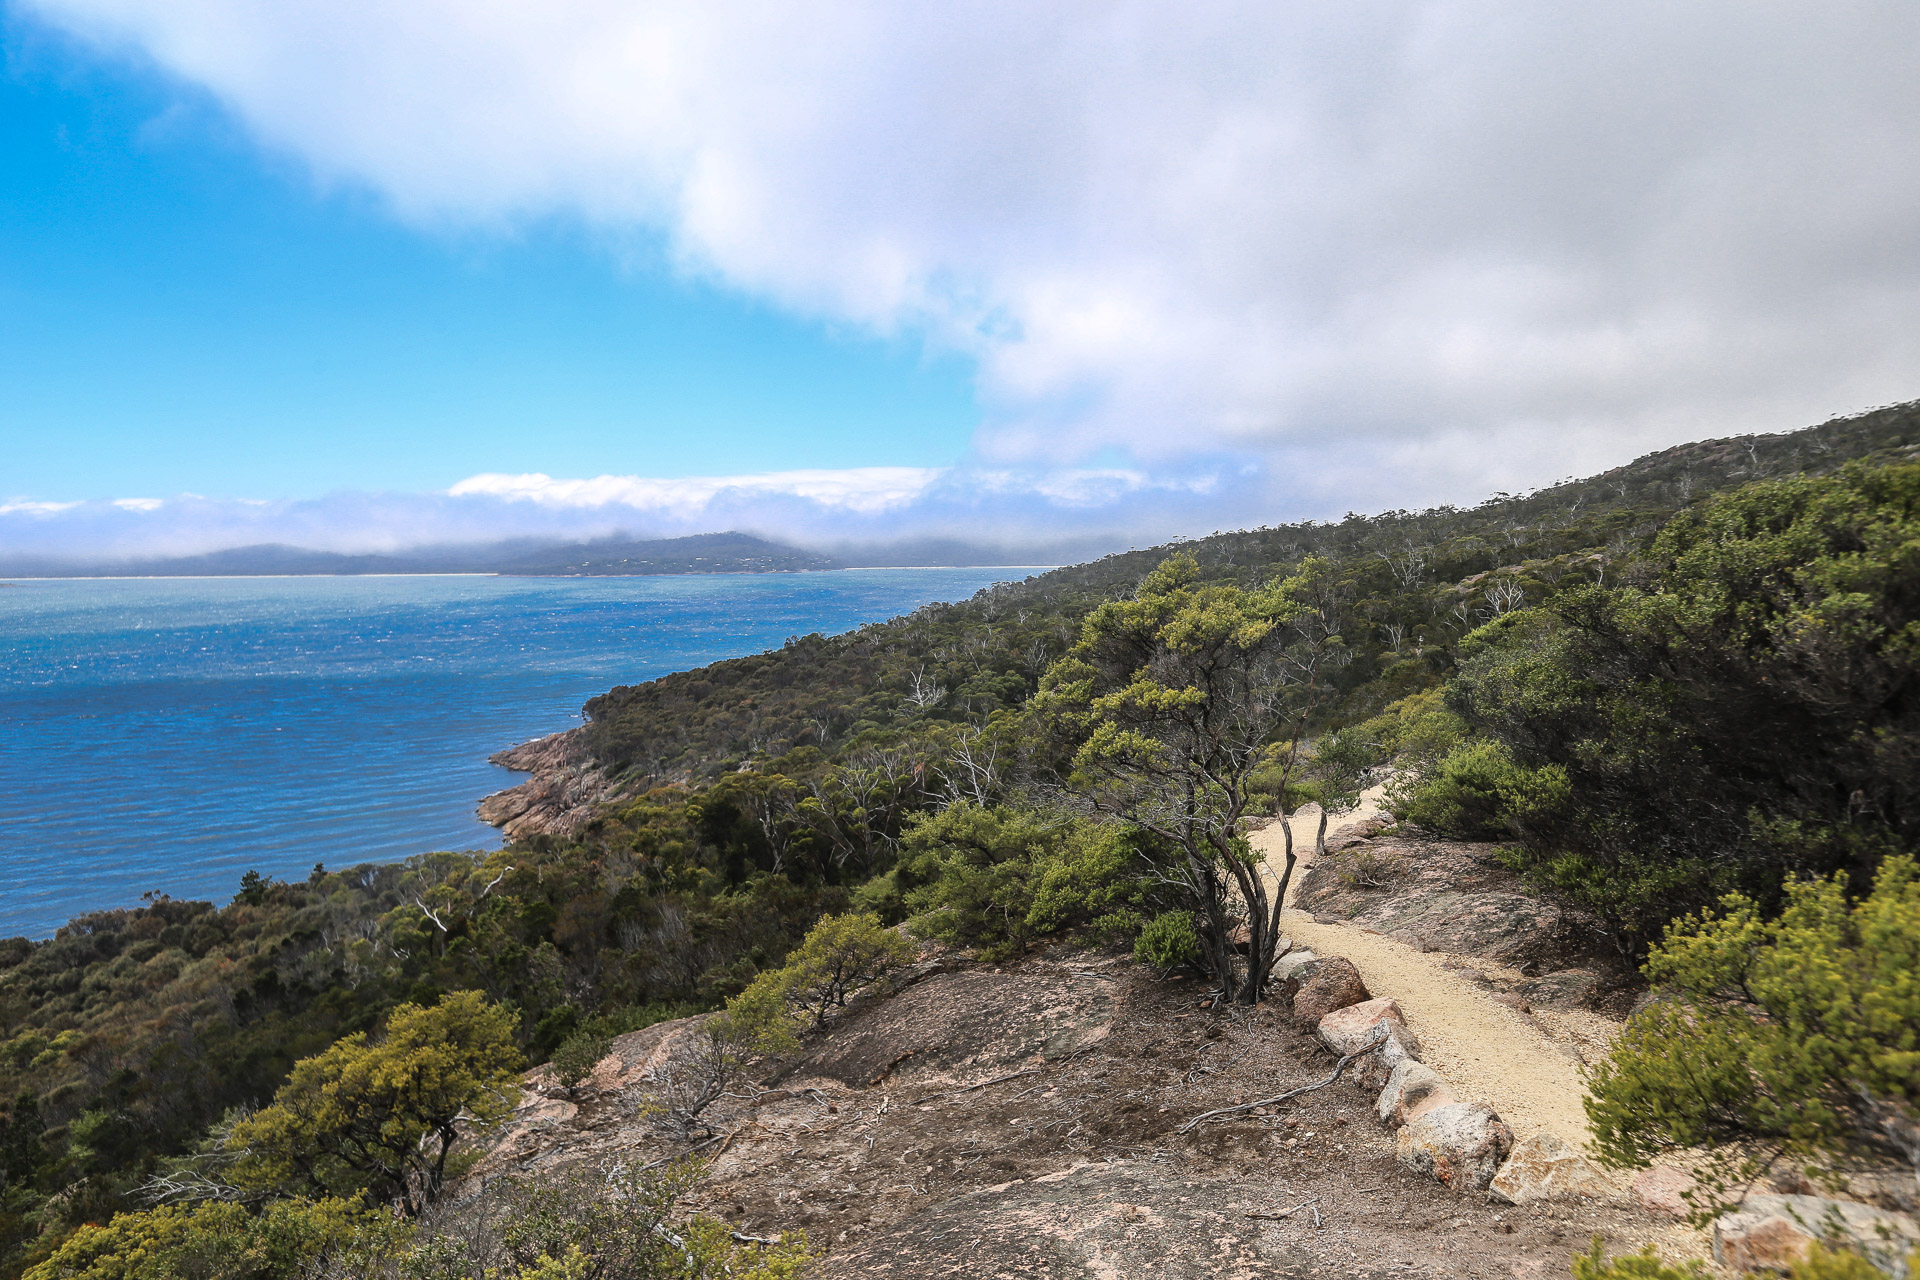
[
  {"x": 1748, "y": 712},
  {"x": 1796, "y": 1035},
  {"x": 384, "y": 1113}
]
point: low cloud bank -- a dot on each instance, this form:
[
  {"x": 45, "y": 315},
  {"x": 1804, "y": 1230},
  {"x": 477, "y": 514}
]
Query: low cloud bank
[{"x": 1027, "y": 517}]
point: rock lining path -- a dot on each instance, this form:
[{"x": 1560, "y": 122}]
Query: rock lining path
[{"x": 1487, "y": 1052}]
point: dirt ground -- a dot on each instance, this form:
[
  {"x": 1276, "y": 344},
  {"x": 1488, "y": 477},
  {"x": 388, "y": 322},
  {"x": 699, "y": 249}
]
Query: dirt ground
[{"x": 1065, "y": 1160}]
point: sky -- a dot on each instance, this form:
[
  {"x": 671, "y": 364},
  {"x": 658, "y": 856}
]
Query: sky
[{"x": 364, "y": 275}]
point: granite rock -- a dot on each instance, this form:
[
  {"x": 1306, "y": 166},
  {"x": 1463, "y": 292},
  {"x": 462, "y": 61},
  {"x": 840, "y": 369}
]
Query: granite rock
[
  {"x": 1412, "y": 1090},
  {"x": 1542, "y": 1167},
  {"x": 1460, "y": 1145}
]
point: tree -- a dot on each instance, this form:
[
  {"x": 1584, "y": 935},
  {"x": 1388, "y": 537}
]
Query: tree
[
  {"x": 385, "y": 1113},
  {"x": 1338, "y": 770},
  {"x": 1749, "y": 712},
  {"x": 587, "y": 1224},
  {"x": 1173, "y": 698},
  {"x": 213, "y": 1241},
  {"x": 840, "y": 955},
  {"x": 1795, "y": 1036}
]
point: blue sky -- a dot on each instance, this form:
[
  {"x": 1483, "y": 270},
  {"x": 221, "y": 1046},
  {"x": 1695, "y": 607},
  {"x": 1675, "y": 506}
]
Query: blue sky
[
  {"x": 360, "y": 273},
  {"x": 180, "y": 311}
]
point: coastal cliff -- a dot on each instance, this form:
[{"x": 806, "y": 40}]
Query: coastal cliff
[{"x": 566, "y": 788}]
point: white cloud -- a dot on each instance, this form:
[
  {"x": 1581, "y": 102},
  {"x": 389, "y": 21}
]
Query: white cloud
[
  {"x": 35, "y": 508},
  {"x": 1084, "y": 511},
  {"x": 862, "y": 490},
  {"x": 856, "y": 491},
  {"x": 1431, "y": 246}
]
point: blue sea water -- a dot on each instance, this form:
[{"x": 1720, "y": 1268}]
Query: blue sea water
[{"x": 165, "y": 735}]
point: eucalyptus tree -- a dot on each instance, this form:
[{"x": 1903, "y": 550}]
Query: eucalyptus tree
[{"x": 1184, "y": 704}]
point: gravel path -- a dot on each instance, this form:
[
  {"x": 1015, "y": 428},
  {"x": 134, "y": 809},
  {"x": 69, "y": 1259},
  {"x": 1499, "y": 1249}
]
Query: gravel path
[{"x": 1487, "y": 1052}]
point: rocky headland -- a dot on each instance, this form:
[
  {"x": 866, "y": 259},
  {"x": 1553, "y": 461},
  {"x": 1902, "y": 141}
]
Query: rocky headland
[{"x": 567, "y": 787}]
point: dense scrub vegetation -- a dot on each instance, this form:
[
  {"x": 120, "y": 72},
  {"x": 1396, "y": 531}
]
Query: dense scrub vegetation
[
  {"x": 1748, "y": 707},
  {"x": 1653, "y": 694},
  {"x": 1795, "y": 1035},
  {"x": 1414, "y": 583}
]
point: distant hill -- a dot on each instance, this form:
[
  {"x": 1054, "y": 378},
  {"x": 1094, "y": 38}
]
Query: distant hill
[{"x": 700, "y": 553}]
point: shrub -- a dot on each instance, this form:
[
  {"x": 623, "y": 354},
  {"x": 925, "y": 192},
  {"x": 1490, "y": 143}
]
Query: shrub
[
  {"x": 998, "y": 878},
  {"x": 383, "y": 1114},
  {"x": 1795, "y": 1036},
  {"x": 214, "y": 1240},
  {"x": 1644, "y": 1265},
  {"x": 1822, "y": 1263},
  {"x": 1168, "y": 941},
  {"x": 976, "y": 872},
  {"x": 1364, "y": 867},
  {"x": 577, "y": 1056},
  {"x": 618, "y": 1224},
  {"x": 840, "y": 954},
  {"x": 1416, "y": 732},
  {"x": 1092, "y": 880},
  {"x": 1740, "y": 714},
  {"x": 757, "y": 1023},
  {"x": 1467, "y": 793}
]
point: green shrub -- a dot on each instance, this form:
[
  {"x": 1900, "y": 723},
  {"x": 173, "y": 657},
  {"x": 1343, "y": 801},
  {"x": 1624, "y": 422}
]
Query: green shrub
[
  {"x": 999, "y": 878},
  {"x": 1168, "y": 941},
  {"x": 577, "y": 1056},
  {"x": 1736, "y": 714},
  {"x": 839, "y": 955},
  {"x": 1797, "y": 1035},
  {"x": 216, "y": 1240},
  {"x": 1416, "y": 732},
  {"x": 1822, "y": 1263},
  {"x": 1466, "y": 792},
  {"x": 585, "y": 1225},
  {"x": 383, "y": 1114},
  {"x": 635, "y": 1017},
  {"x": 1644, "y": 1265},
  {"x": 977, "y": 871},
  {"x": 1092, "y": 881},
  {"x": 885, "y": 895}
]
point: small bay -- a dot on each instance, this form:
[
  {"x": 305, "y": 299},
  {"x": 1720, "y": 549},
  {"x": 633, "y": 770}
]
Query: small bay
[{"x": 166, "y": 734}]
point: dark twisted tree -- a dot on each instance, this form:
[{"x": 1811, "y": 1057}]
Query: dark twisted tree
[{"x": 1177, "y": 697}]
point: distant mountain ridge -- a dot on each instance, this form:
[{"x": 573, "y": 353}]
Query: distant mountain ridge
[
  {"x": 619, "y": 556},
  {"x": 728, "y": 552}
]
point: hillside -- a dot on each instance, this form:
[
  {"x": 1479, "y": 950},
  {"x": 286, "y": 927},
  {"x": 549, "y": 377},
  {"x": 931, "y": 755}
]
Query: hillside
[
  {"x": 700, "y": 553},
  {"x": 1026, "y": 1119},
  {"x": 1603, "y": 706},
  {"x": 1415, "y": 583}
]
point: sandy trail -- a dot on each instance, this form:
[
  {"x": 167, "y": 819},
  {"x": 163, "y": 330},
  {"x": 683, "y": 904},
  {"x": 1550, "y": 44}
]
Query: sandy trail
[{"x": 1487, "y": 1052}]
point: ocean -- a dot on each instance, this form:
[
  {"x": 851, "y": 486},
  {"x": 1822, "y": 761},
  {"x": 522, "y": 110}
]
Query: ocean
[{"x": 164, "y": 735}]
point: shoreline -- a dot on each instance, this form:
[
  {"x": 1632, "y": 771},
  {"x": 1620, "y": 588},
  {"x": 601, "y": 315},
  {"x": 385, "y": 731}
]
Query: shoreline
[{"x": 18, "y": 578}]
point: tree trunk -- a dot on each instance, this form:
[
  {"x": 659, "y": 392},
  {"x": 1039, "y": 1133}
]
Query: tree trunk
[
  {"x": 1270, "y": 953},
  {"x": 1216, "y": 939}
]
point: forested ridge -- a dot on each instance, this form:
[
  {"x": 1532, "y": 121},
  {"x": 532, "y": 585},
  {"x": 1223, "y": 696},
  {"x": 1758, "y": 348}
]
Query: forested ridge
[
  {"x": 1419, "y": 580},
  {"x": 999, "y": 770}
]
